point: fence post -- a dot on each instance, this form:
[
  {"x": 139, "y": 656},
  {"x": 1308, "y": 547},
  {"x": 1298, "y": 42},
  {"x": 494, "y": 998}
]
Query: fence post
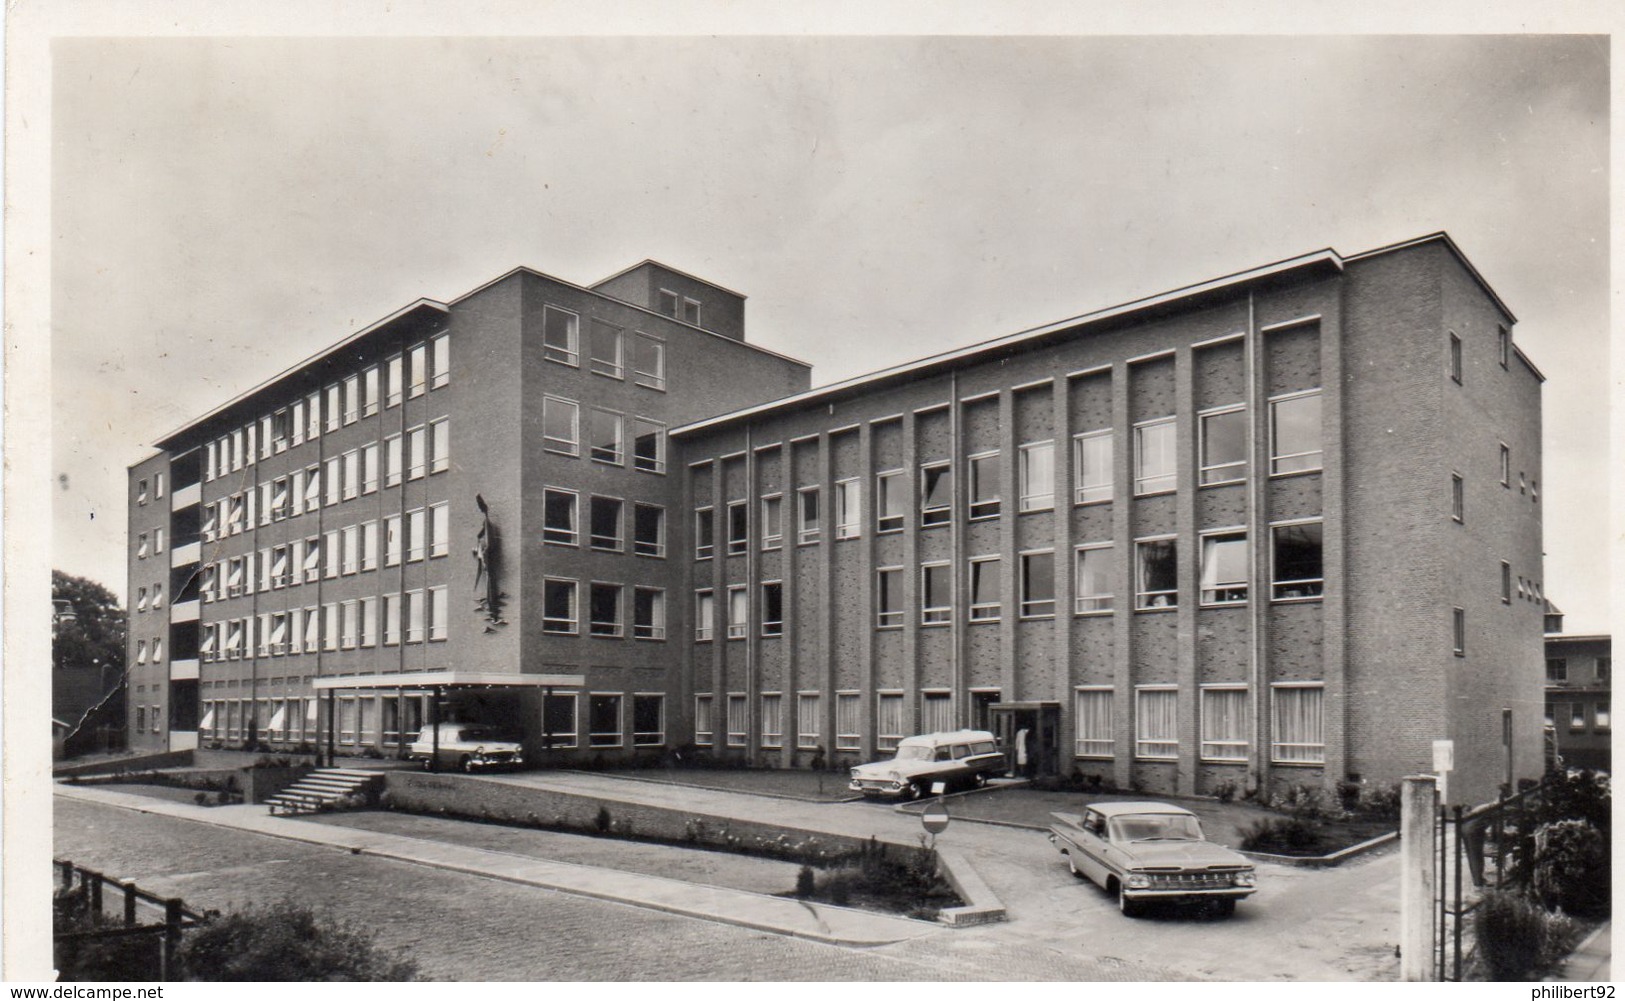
[
  {"x": 129, "y": 902},
  {"x": 172, "y": 937},
  {"x": 67, "y": 874},
  {"x": 1416, "y": 881}
]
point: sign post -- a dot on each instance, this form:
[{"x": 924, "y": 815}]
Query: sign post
[{"x": 1444, "y": 762}]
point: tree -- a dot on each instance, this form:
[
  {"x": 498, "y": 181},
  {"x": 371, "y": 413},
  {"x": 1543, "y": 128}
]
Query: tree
[
  {"x": 96, "y": 633},
  {"x": 87, "y": 657},
  {"x": 288, "y": 941}
]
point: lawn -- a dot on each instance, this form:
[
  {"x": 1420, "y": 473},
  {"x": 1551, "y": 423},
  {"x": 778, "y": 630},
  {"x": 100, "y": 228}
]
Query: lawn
[{"x": 788, "y": 783}]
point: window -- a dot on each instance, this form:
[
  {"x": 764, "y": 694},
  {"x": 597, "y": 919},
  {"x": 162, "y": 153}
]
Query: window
[
  {"x": 392, "y": 540},
  {"x": 1296, "y": 561},
  {"x": 334, "y": 407},
  {"x": 350, "y": 625},
  {"x": 936, "y": 712},
  {"x": 440, "y": 431},
  {"x": 141, "y": 601},
  {"x": 559, "y": 719},
  {"x": 984, "y": 486},
  {"x": 558, "y": 606},
  {"x": 772, "y": 719},
  {"x": 1503, "y": 345},
  {"x": 1037, "y": 585},
  {"x": 352, "y": 476},
  {"x": 141, "y": 546},
  {"x": 417, "y": 536},
  {"x": 648, "y": 613},
  {"x": 772, "y": 522},
  {"x": 891, "y": 500},
  {"x": 705, "y": 604},
  {"x": 1224, "y": 568},
  {"x": 936, "y": 494},
  {"x": 738, "y": 612},
  {"x": 1605, "y": 667},
  {"x": 848, "y": 724},
  {"x": 984, "y": 589},
  {"x": 1224, "y": 446},
  {"x": 648, "y": 446},
  {"x": 369, "y": 621},
  {"x": 1093, "y": 711},
  {"x": 648, "y": 530},
  {"x": 889, "y": 597},
  {"x": 1506, "y": 583},
  {"x": 392, "y": 461},
  {"x": 1094, "y": 587},
  {"x": 417, "y": 452},
  {"x": 1295, "y": 433},
  {"x": 439, "y": 612},
  {"x": 392, "y": 381},
  {"x": 1156, "y": 714},
  {"x": 1157, "y": 569},
  {"x": 1557, "y": 669},
  {"x": 1224, "y": 723},
  {"x": 157, "y": 541},
  {"x": 604, "y": 350},
  {"x": 848, "y": 517},
  {"x": 1458, "y": 628},
  {"x": 603, "y": 720},
  {"x": 1506, "y": 466},
  {"x": 648, "y": 720},
  {"x": 1600, "y": 716},
  {"x": 669, "y": 303},
  {"x": 141, "y": 492},
  {"x": 560, "y": 332},
  {"x": 1155, "y": 458},
  {"x": 1552, "y": 709},
  {"x": 561, "y": 421},
  {"x": 691, "y": 311},
  {"x": 936, "y": 594},
  {"x": 704, "y": 533},
  {"x": 1455, "y": 358},
  {"x": 418, "y": 369},
  {"x": 738, "y": 720},
  {"x": 738, "y": 528},
  {"x": 808, "y": 726},
  {"x": 352, "y": 399},
  {"x": 1458, "y": 498},
  {"x": 1038, "y": 476},
  {"x": 606, "y": 524},
  {"x": 605, "y": 618},
  {"x": 442, "y": 365},
  {"x": 606, "y": 436},
  {"x": 772, "y": 608},
  {"x": 1577, "y": 716},
  {"x": 889, "y": 721},
  {"x": 807, "y": 503},
  {"x": 703, "y": 733},
  {"x": 558, "y": 517},
  {"x": 648, "y": 362},
  {"x": 1296, "y": 724}
]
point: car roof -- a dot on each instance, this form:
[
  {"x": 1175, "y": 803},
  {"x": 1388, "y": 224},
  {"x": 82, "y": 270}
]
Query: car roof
[
  {"x": 947, "y": 736},
  {"x": 1120, "y": 809}
]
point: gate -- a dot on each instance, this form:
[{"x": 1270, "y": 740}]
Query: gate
[{"x": 1489, "y": 846}]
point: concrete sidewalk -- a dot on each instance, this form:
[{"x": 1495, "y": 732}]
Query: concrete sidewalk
[
  {"x": 1590, "y": 962},
  {"x": 785, "y": 916}
]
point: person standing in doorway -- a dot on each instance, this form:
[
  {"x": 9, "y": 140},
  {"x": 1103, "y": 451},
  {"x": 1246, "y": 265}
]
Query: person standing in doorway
[{"x": 1021, "y": 753}]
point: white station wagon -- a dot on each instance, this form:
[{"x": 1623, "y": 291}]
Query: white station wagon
[{"x": 962, "y": 758}]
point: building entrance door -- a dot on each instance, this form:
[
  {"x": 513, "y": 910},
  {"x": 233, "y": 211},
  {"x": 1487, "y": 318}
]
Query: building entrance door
[{"x": 1035, "y": 724}]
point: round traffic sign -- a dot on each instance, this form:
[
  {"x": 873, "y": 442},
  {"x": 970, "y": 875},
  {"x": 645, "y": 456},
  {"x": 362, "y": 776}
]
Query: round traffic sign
[{"x": 935, "y": 818}]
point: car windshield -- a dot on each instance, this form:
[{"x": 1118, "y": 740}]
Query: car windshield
[
  {"x": 1155, "y": 827},
  {"x": 914, "y": 752}
]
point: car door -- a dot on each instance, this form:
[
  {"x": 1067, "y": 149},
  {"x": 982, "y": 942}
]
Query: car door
[{"x": 1091, "y": 849}]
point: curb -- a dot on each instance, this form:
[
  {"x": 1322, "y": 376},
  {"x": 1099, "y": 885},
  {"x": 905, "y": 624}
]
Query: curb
[{"x": 1325, "y": 861}]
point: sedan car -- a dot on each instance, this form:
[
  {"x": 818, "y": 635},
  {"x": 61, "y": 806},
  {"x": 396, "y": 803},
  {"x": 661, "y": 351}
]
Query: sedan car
[
  {"x": 955, "y": 758},
  {"x": 1143, "y": 852},
  {"x": 468, "y": 746}
]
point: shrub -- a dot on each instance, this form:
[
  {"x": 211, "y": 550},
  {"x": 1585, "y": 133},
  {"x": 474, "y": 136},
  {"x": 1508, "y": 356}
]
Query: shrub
[
  {"x": 1571, "y": 867},
  {"x": 602, "y": 822},
  {"x": 1516, "y": 938},
  {"x": 1579, "y": 794},
  {"x": 804, "y": 882},
  {"x": 840, "y": 889},
  {"x": 97, "y": 959},
  {"x": 1224, "y": 792},
  {"x": 287, "y": 941},
  {"x": 1287, "y": 836}
]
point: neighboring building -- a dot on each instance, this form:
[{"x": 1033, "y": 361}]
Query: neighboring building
[
  {"x": 1237, "y": 533},
  {"x": 1577, "y": 698}
]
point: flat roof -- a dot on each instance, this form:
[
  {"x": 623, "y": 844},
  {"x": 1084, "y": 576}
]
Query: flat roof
[
  {"x": 448, "y": 679},
  {"x": 1326, "y": 257},
  {"x": 676, "y": 271}
]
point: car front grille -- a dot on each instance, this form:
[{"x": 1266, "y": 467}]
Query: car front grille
[{"x": 1189, "y": 880}]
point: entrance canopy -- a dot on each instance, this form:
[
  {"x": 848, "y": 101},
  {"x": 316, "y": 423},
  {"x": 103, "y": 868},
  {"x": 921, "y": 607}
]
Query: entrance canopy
[{"x": 450, "y": 679}]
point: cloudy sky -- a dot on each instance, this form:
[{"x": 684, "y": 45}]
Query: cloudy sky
[{"x": 222, "y": 207}]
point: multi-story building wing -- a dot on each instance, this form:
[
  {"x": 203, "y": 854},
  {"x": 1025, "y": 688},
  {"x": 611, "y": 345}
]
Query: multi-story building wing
[
  {"x": 1256, "y": 531},
  {"x": 475, "y": 493},
  {"x": 1249, "y": 532},
  {"x": 1579, "y": 686}
]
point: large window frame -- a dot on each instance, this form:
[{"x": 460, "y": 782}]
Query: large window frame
[
  {"x": 1037, "y": 584},
  {"x": 1291, "y": 575},
  {"x": 936, "y": 609},
  {"x": 561, "y": 336},
  {"x": 891, "y": 501},
  {"x": 936, "y": 493},
  {"x": 1224, "y": 438},
  {"x": 1036, "y": 472},
  {"x": 1092, "y": 712},
  {"x": 986, "y": 582},
  {"x": 1286, "y": 411},
  {"x": 986, "y": 476},
  {"x": 1156, "y": 457},
  {"x": 1297, "y": 733},
  {"x": 1223, "y": 581},
  {"x": 1224, "y": 719},
  {"x": 1156, "y": 723},
  {"x": 1156, "y": 573}
]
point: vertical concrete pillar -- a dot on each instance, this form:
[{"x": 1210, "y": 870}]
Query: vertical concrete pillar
[{"x": 1418, "y": 874}]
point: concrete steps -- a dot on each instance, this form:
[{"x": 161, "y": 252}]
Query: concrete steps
[{"x": 324, "y": 789}]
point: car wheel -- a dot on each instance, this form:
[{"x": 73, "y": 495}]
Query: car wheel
[
  {"x": 466, "y": 763},
  {"x": 428, "y": 764},
  {"x": 914, "y": 791},
  {"x": 1227, "y": 906},
  {"x": 979, "y": 780},
  {"x": 1129, "y": 907},
  {"x": 1072, "y": 866}
]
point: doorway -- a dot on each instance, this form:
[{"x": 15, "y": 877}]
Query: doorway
[{"x": 1038, "y": 724}]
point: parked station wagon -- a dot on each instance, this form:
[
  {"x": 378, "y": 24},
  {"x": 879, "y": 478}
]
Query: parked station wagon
[
  {"x": 468, "y": 746},
  {"x": 958, "y": 758},
  {"x": 1150, "y": 851}
]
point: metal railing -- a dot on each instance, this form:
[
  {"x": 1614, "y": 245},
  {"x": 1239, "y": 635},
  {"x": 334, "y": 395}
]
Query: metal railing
[
  {"x": 1494, "y": 844},
  {"x": 116, "y": 909}
]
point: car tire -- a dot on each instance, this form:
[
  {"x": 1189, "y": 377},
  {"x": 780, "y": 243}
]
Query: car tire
[
  {"x": 914, "y": 791},
  {"x": 979, "y": 780},
  {"x": 428, "y": 764},
  {"x": 1072, "y": 866},
  {"x": 466, "y": 763},
  {"x": 1226, "y": 906},
  {"x": 1131, "y": 908}
]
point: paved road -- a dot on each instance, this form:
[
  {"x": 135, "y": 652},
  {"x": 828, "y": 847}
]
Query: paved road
[{"x": 461, "y": 927}]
